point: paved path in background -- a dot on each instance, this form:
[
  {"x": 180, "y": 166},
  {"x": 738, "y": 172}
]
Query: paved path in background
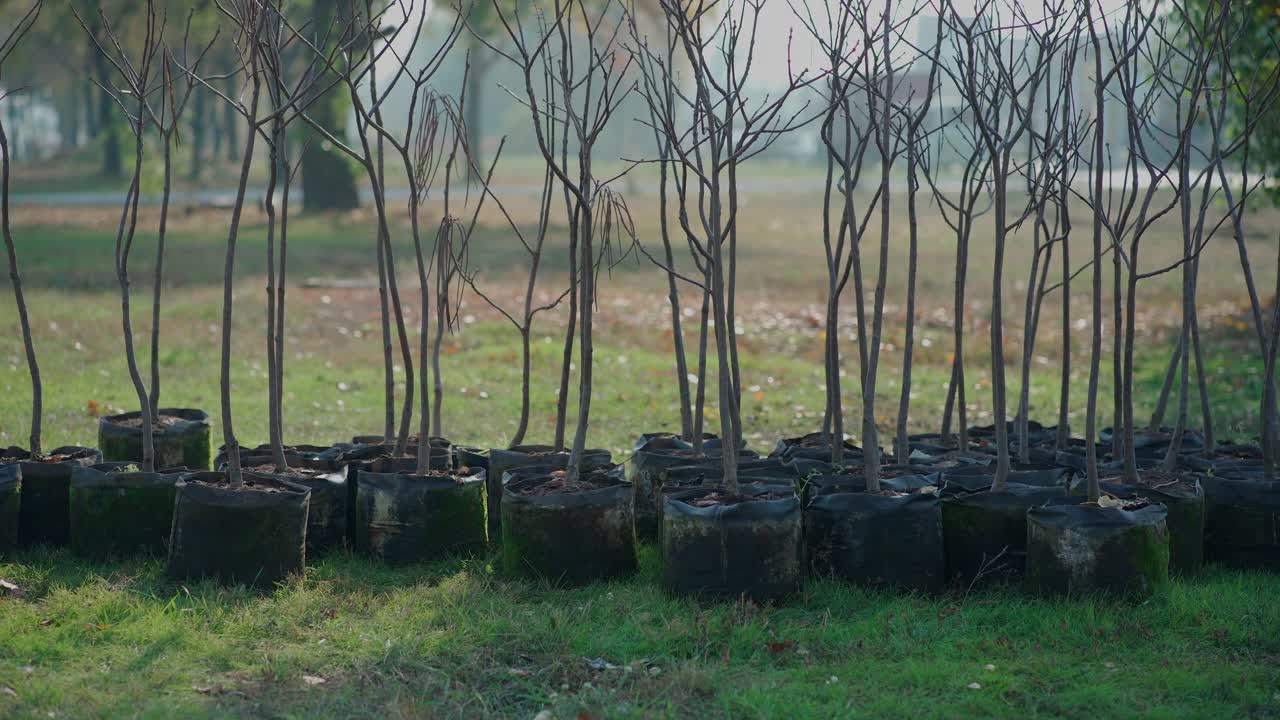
[{"x": 224, "y": 198}]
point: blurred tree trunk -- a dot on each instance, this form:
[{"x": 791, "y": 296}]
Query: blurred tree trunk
[
  {"x": 107, "y": 127},
  {"x": 328, "y": 180},
  {"x": 199, "y": 133}
]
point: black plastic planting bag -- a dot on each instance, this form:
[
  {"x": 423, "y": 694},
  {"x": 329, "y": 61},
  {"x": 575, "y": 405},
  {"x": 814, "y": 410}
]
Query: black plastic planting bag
[
  {"x": 46, "y": 487},
  {"x": 359, "y": 457},
  {"x": 255, "y": 535},
  {"x": 314, "y": 452},
  {"x": 1229, "y": 459},
  {"x": 569, "y": 538},
  {"x": 1075, "y": 547},
  {"x": 768, "y": 471},
  {"x": 814, "y": 447},
  {"x": 327, "y": 514},
  {"x": 986, "y": 532},
  {"x": 185, "y": 443},
  {"x": 1156, "y": 444},
  {"x": 470, "y": 457},
  {"x": 881, "y": 540},
  {"x": 1185, "y": 508},
  {"x": 503, "y": 460},
  {"x": 10, "y": 506},
  {"x": 710, "y": 441},
  {"x": 752, "y": 548},
  {"x": 975, "y": 478},
  {"x": 403, "y": 517},
  {"x": 826, "y": 484},
  {"x": 645, "y": 471},
  {"x": 1242, "y": 522},
  {"x": 116, "y": 512}
]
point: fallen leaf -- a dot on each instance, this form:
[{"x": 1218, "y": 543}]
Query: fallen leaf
[
  {"x": 11, "y": 589},
  {"x": 544, "y": 715},
  {"x": 777, "y": 648},
  {"x": 9, "y": 691},
  {"x": 989, "y": 666},
  {"x": 974, "y": 686},
  {"x": 313, "y": 680}
]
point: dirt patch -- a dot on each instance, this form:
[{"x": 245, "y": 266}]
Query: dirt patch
[{"x": 161, "y": 423}]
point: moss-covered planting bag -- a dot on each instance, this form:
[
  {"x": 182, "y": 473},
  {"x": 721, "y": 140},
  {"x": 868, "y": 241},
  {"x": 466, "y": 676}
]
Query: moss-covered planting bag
[
  {"x": 1076, "y": 547},
  {"x": 986, "y": 532},
  {"x": 180, "y": 438},
  {"x": 253, "y": 535},
  {"x": 46, "y": 487},
  {"x": 1183, "y": 499},
  {"x": 750, "y": 546},
  {"x": 358, "y": 457},
  {"x": 571, "y": 537},
  {"x": 10, "y": 506},
  {"x": 327, "y": 514},
  {"x": 1242, "y": 522},
  {"x": 403, "y": 517},
  {"x": 116, "y": 510},
  {"x": 892, "y": 538},
  {"x": 503, "y": 460}
]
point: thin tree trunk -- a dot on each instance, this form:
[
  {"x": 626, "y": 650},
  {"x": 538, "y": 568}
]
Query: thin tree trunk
[
  {"x": 228, "y": 274},
  {"x": 586, "y": 302},
  {"x": 158, "y": 278},
  {"x": 673, "y": 298},
  {"x": 901, "y": 443},
  {"x": 566, "y": 360},
  {"x": 997, "y": 330},
  {"x": 700, "y": 399},
  {"x": 1166, "y": 388},
  {"x": 124, "y": 244},
  {"x": 15, "y": 277}
]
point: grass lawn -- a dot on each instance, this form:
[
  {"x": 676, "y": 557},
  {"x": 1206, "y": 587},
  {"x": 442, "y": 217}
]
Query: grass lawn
[{"x": 453, "y": 640}]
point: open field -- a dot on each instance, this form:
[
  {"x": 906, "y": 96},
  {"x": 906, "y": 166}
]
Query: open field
[{"x": 453, "y": 640}]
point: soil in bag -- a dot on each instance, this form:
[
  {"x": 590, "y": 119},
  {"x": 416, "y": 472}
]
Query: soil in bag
[
  {"x": 117, "y": 510},
  {"x": 254, "y": 535},
  {"x": 403, "y": 517},
  {"x": 986, "y": 532},
  {"x": 568, "y": 532},
  {"x": 179, "y": 438},
  {"x": 716, "y": 546},
  {"x": 46, "y": 489},
  {"x": 1120, "y": 547},
  {"x": 890, "y": 538}
]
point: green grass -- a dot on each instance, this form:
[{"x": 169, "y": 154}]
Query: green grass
[{"x": 452, "y": 640}]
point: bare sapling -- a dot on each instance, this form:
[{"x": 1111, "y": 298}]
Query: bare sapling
[
  {"x": 712, "y": 129},
  {"x": 141, "y": 77},
  {"x": 11, "y": 40},
  {"x": 261, "y": 31},
  {"x": 1001, "y": 88},
  {"x": 666, "y": 169},
  {"x": 960, "y": 213},
  {"x": 573, "y": 69},
  {"x": 916, "y": 139},
  {"x": 853, "y": 57}
]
